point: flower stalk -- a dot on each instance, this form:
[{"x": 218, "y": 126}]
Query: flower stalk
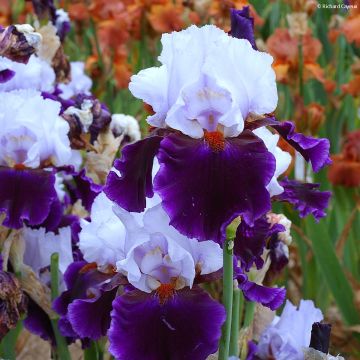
[
  {"x": 228, "y": 289},
  {"x": 238, "y": 303},
  {"x": 61, "y": 351}
]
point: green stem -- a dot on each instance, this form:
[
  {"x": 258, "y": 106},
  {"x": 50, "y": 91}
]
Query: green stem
[
  {"x": 228, "y": 287},
  {"x": 235, "y": 322},
  {"x": 61, "y": 351},
  {"x": 91, "y": 353},
  {"x": 249, "y": 313}
]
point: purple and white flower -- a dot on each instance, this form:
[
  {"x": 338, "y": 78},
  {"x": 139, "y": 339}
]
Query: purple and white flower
[
  {"x": 288, "y": 334},
  {"x": 216, "y": 161},
  {"x": 33, "y": 140}
]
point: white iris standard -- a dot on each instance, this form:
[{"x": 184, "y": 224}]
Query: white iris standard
[
  {"x": 161, "y": 255},
  {"x": 40, "y": 245},
  {"x": 102, "y": 240},
  {"x": 208, "y": 80},
  {"x": 32, "y": 133}
]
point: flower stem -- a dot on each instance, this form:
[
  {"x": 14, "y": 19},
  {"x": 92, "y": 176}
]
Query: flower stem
[
  {"x": 61, "y": 351},
  {"x": 228, "y": 287},
  {"x": 235, "y": 322},
  {"x": 249, "y": 313}
]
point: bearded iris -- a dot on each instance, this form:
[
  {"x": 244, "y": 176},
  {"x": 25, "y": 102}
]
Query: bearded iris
[
  {"x": 145, "y": 286},
  {"x": 33, "y": 138},
  {"x": 217, "y": 160}
]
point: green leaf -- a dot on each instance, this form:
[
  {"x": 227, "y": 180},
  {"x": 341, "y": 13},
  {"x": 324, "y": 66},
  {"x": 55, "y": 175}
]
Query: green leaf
[{"x": 332, "y": 270}]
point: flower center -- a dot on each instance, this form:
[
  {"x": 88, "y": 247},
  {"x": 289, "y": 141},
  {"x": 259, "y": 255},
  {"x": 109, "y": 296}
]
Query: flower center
[
  {"x": 215, "y": 139},
  {"x": 165, "y": 291}
]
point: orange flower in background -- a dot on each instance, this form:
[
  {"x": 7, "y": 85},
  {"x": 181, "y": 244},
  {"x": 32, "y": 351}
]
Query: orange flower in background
[
  {"x": 285, "y": 49},
  {"x": 345, "y": 169},
  {"x": 351, "y": 26},
  {"x": 166, "y": 18},
  {"x": 308, "y": 117},
  {"x": 353, "y": 87},
  {"x": 122, "y": 69},
  {"x": 5, "y": 12},
  {"x": 78, "y": 11}
]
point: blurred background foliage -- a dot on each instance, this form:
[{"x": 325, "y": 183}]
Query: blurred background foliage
[{"x": 316, "y": 58}]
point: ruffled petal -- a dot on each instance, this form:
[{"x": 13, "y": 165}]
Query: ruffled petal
[
  {"x": 52, "y": 221},
  {"x": 271, "y": 297},
  {"x": 314, "y": 150},
  {"x": 242, "y": 25},
  {"x": 38, "y": 322},
  {"x": 186, "y": 326},
  {"x": 203, "y": 190},
  {"x": 26, "y": 195},
  {"x": 250, "y": 241},
  {"x": 81, "y": 315},
  {"x": 305, "y": 197},
  {"x": 79, "y": 278},
  {"x": 130, "y": 189},
  {"x": 83, "y": 188}
]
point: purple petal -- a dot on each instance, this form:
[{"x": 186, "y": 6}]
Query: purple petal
[
  {"x": 52, "y": 221},
  {"x": 81, "y": 315},
  {"x": 83, "y": 188},
  {"x": 6, "y": 75},
  {"x": 45, "y": 9},
  {"x": 252, "y": 348},
  {"x": 203, "y": 190},
  {"x": 38, "y": 322},
  {"x": 314, "y": 150},
  {"x": 135, "y": 166},
  {"x": 305, "y": 197},
  {"x": 250, "y": 242},
  {"x": 186, "y": 326},
  {"x": 77, "y": 282},
  {"x": 242, "y": 25},
  {"x": 267, "y": 296},
  {"x": 26, "y": 195}
]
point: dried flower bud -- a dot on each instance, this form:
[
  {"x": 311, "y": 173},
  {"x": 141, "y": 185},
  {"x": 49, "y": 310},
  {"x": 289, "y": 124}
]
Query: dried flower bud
[
  {"x": 125, "y": 126},
  {"x": 87, "y": 118},
  {"x": 12, "y": 302},
  {"x": 50, "y": 43},
  {"x": 19, "y": 42},
  {"x": 61, "y": 66},
  {"x": 297, "y": 23}
]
